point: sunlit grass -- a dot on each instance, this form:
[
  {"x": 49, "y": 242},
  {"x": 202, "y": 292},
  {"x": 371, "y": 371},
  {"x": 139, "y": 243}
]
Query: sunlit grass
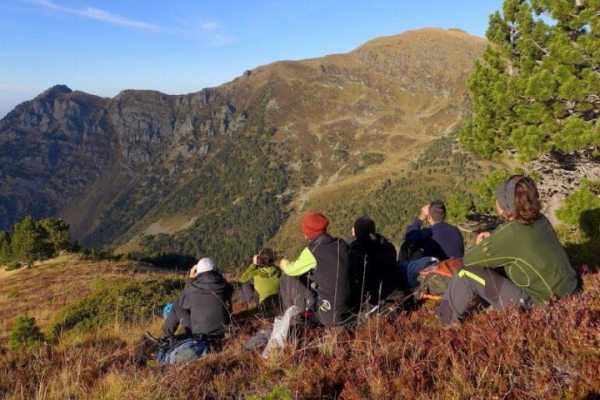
[{"x": 549, "y": 352}]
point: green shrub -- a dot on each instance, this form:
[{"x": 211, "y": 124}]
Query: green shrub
[
  {"x": 13, "y": 265},
  {"x": 13, "y": 293},
  {"x": 122, "y": 301},
  {"x": 581, "y": 208},
  {"x": 25, "y": 334}
]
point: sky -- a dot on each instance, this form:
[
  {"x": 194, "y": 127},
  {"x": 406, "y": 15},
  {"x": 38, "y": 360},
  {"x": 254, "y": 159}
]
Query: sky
[{"x": 183, "y": 46}]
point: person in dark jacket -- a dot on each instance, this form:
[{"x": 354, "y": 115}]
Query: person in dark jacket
[
  {"x": 204, "y": 305},
  {"x": 534, "y": 265},
  {"x": 425, "y": 246},
  {"x": 372, "y": 263},
  {"x": 318, "y": 281},
  {"x": 441, "y": 240}
]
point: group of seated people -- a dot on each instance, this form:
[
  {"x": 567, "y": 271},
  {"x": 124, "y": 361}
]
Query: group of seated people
[{"x": 521, "y": 262}]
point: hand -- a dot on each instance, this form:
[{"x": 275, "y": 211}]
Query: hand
[
  {"x": 481, "y": 236},
  {"x": 255, "y": 259},
  {"x": 283, "y": 263},
  {"x": 424, "y": 213},
  {"x": 193, "y": 272}
]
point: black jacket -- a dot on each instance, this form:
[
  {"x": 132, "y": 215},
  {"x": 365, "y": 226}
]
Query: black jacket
[
  {"x": 331, "y": 277},
  {"x": 372, "y": 268},
  {"x": 208, "y": 298}
]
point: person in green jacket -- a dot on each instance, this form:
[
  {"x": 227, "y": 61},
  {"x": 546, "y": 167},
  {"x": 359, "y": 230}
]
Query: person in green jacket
[
  {"x": 261, "y": 279},
  {"x": 520, "y": 262}
]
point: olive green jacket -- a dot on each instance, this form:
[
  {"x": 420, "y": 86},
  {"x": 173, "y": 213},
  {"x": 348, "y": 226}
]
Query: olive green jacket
[
  {"x": 266, "y": 280},
  {"x": 532, "y": 258}
]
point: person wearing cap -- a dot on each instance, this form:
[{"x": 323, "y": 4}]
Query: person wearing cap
[
  {"x": 318, "y": 281},
  {"x": 204, "y": 305},
  {"x": 261, "y": 279},
  {"x": 534, "y": 267},
  {"x": 372, "y": 263}
]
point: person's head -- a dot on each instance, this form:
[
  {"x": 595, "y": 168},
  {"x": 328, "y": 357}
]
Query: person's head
[
  {"x": 437, "y": 212},
  {"x": 266, "y": 258},
  {"x": 517, "y": 199},
  {"x": 204, "y": 265},
  {"x": 363, "y": 225},
  {"x": 314, "y": 224}
]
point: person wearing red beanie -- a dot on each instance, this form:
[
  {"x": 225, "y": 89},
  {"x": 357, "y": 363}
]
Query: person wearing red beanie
[
  {"x": 318, "y": 281},
  {"x": 314, "y": 224}
]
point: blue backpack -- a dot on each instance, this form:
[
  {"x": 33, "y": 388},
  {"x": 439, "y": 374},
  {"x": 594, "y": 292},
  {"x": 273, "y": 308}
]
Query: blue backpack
[{"x": 182, "y": 352}]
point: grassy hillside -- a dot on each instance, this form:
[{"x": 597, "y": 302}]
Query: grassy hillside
[{"x": 549, "y": 352}]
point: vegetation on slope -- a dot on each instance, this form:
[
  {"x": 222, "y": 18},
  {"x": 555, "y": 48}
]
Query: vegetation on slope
[{"x": 548, "y": 352}]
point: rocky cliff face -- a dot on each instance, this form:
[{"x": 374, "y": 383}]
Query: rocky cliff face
[{"x": 114, "y": 167}]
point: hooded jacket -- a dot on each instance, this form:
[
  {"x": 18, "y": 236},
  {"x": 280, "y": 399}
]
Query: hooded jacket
[{"x": 208, "y": 298}]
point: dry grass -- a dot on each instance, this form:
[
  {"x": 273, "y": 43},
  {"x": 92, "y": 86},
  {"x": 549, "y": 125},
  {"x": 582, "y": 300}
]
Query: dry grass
[{"x": 550, "y": 352}]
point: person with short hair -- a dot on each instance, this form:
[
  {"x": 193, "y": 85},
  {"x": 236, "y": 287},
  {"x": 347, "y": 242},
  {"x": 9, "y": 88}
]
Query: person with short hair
[
  {"x": 372, "y": 263},
  {"x": 204, "y": 305},
  {"x": 533, "y": 264},
  {"x": 318, "y": 281},
  {"x": 423, "y": 247},
  {"x": 441, "y": 240}
]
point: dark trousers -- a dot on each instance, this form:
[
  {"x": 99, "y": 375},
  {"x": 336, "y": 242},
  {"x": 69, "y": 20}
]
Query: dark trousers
[
  {"x": 177, "y": 316},
  {"x": 468, "y": 283},
  {"x": 294, "y": 291},
  {"x": 248, "y": 294}
]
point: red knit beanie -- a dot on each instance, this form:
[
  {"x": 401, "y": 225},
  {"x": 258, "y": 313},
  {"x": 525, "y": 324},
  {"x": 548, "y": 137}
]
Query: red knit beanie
[{"x": 314, "y": 224}]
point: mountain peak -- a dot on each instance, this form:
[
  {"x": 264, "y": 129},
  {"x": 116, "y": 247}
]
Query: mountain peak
[{"x": 55, "y": 91}]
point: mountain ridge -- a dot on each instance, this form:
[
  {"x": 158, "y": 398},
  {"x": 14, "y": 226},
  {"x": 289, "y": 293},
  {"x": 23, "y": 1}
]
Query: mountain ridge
[{"x": 114, "y": 167}]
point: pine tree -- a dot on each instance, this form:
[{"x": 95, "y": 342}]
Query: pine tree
[
  {"x": 5, "y": 250},
  {"x": 29, "y": 241},
  {"x": 59, "y": 233},
  {"x": 537, "y": 88}
]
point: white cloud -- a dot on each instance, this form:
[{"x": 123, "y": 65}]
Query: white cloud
[
  {"x": 96, "y": 14},
  {"x": 208, "y": 26}
]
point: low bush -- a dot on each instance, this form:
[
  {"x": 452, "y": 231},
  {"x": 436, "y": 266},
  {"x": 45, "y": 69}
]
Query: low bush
[
  {"x": 115, "y": 302},
  {"x": 25, "y": 334}
]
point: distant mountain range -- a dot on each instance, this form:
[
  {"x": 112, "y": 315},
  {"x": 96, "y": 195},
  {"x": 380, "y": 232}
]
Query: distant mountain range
[{"x": 227, "y": 169}]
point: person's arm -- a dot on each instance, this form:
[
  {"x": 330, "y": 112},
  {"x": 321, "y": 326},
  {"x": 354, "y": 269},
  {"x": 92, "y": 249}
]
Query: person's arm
[
  {"x": 302, "y": 265},
  {"x": 415, "y": 226},
  {"x": 492, "y": 249},
  {"x": 250, "y": 273},
  {"x": 418, "y": 222}
]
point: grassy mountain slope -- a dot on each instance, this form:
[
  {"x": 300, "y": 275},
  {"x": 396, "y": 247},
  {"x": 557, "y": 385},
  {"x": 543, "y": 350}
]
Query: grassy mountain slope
[
  {"x": 220, "y": 171},
  {"x": 549, "y": 352}
]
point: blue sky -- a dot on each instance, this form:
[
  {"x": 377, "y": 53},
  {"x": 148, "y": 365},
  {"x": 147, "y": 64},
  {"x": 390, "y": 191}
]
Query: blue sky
[{"x": 183, "y": 46}]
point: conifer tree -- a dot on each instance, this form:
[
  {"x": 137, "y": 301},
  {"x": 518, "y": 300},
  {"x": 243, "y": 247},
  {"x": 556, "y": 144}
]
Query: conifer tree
[
  {"x": 29, "y": 241},
  {"x": 537, "y": 88},
  {"x": 5, "y": 251},
  {"x": 59, "y": 233}
]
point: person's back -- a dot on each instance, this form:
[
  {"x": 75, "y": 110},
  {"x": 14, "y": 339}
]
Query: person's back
[
  {"x": 441, "y": 240},
  {"x": 372, "y": 263},
  {"x": 208, "y": 297},
  {"x": 331, "y": 276},
  {"x": 261, "y": 279},
  {"x": 532, "y": 258}
]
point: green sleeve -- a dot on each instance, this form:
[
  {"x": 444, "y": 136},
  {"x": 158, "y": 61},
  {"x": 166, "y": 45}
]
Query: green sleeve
[
  {"x": 250, "y": 273},
  {"x": 495, "y": 251},
  {"x": 303, "y": 264}
]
